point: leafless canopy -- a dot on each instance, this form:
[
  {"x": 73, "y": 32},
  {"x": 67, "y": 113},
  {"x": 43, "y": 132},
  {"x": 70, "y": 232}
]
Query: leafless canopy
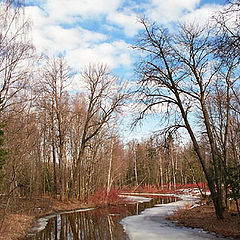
[
  {"x": 181, "y": 71},
  {"x": 15, "y": 50}
]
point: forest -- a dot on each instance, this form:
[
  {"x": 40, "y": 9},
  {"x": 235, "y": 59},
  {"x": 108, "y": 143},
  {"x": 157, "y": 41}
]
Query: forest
[{"x": 66, "y": 145}]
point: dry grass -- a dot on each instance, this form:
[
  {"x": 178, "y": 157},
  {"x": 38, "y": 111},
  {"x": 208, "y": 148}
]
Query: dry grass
[
  {"x": 23, "y": 211},
  {"x": 204, "y": 217},
  {"x": 15, "y": 226}
]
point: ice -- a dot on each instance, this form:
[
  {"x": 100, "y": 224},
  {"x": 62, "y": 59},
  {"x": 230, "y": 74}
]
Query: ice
[
  {"x": 152, "y": 223},
  {"x": 78, "y": 210},
  {"x": 135, "y": 198},
  {"x": 41, "y": 223}
]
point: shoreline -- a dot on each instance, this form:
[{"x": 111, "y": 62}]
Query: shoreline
[
  {"x": 203, "y": 217},
  {"x": 19, "y": 225}
]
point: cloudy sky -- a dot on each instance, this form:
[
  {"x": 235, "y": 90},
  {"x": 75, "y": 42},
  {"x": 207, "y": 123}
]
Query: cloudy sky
[{"x": 101, "y": 31}]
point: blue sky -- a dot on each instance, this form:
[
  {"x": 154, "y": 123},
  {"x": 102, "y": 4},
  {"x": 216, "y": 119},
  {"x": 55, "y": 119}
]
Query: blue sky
[{"x": 101, "y": 31}]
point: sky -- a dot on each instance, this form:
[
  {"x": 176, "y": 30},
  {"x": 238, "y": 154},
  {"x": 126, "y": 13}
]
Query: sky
[{"x": 102, "y": 31}]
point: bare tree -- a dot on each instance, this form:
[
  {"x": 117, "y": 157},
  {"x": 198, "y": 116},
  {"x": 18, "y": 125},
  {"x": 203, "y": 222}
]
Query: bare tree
[
  {"x": 104, "y": 97},
  {"x": 15, "y": 51},
  {"x": 226, "y": 24},
  {"x": 53, "y": 83},
  {"x": 178, "y": 72}
]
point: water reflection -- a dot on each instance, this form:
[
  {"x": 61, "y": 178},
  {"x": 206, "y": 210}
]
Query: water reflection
[{"x": 103, "y": 224}]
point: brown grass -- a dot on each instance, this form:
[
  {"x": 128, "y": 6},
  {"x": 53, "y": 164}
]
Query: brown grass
[
  {"x": 22, "y": 213},
  {"x": 204, "y": 217},
  {"x": 15, "y": 226}
]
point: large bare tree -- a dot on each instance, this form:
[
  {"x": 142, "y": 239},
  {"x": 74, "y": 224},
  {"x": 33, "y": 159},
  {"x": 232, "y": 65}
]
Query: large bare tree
[
  {"x": 104, "y": 97},
  {"x": 178, "y": 71}
]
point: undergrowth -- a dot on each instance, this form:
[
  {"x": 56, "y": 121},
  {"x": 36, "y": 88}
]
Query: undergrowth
[{"x": 102, "y": 197}]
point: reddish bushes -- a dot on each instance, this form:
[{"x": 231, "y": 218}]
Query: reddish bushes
[
  {"x": 166, "y": 189},
  {"x": 101, "y": 197},
  {"x": 154, "y": 189}
]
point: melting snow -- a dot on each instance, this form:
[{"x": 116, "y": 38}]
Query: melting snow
[
  {"x": 152, "y": 223},
  {"x": 135, "y": 198}
]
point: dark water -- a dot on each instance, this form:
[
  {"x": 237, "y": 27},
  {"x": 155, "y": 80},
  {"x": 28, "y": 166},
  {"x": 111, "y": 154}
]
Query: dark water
[{"x": 97, "y": 224}]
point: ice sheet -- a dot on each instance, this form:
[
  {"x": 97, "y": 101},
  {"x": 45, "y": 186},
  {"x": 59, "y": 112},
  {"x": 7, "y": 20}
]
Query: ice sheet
[{"x": 152, "y": 224}]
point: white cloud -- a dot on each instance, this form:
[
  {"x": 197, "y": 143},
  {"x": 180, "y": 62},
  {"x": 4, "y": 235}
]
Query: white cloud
[
  {"x": 81, "y": 46},
  {"x": 171, "y": 10},
  {"x": 65, "y": 11},
  {"x": 37, "y": 16},
  {"x": 202, "y": 15},
  {"x": 55, "y": 27},
  {"x": 53, "y": 38},
  {"x": 113, "y": 54},
  {"x": 126, "y": 20},
  {"x": 72, "y": 38}
]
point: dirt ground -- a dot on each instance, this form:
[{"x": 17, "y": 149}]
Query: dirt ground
[
  {"x": 19, "y": 217},
  {"x": 204, "y": 217}
]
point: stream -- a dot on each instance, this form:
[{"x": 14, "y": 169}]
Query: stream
[{"x": 142, "y": 218}]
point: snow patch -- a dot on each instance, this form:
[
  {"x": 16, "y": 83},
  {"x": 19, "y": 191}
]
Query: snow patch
[
  {"x": 152, "y": 223},
  {"x": 135, "y": 199}
]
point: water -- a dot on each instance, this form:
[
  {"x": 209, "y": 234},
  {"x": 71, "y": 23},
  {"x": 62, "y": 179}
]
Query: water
[
  {"x": 93, "y": 224},
  {"x": 152, "y": 224},
  {"x": 137, "y": 221}
]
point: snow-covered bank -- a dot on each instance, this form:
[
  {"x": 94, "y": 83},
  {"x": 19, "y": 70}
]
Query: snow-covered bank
[
  {"x": 152, "y": 223},
  {"x": 133, "y": 199}
]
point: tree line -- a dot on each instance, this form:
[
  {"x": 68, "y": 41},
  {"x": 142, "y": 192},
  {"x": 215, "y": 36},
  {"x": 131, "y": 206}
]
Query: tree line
[{"x": 67, "y": 145}]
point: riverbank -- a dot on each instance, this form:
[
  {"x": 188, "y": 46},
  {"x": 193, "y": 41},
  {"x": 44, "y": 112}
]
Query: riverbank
[
  {"x": 22, "y": 213},
  {"x": 204, "y": 217}
]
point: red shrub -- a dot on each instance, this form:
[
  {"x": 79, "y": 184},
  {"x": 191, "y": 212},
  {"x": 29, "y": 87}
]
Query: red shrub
[
  {"x": 101, "y": 197},
  {"x": 165, "y": 189}
]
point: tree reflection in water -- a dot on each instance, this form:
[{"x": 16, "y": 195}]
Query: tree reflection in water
[{"x": 97, "y": 224}]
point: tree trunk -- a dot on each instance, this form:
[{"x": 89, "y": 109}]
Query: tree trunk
[
  {"x": 135, "y": 166},
  {"x": 109, "y": 180},
  {"x": 210, "y": 176},
  {"x": 54, "y": 161}
]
